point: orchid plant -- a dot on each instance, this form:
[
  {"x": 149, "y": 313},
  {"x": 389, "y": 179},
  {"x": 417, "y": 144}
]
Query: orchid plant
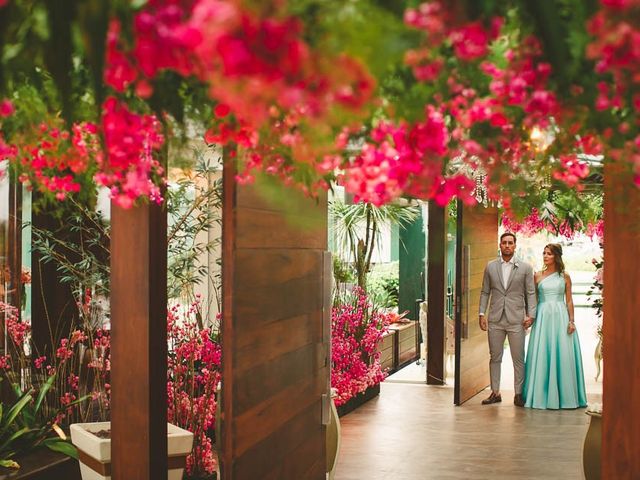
[
  {"x": 193, "y": 375},
  {"x": 356, "y": 330}
]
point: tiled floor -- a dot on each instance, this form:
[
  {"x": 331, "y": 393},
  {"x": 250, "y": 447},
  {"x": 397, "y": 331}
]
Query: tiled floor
[{"x": 413, "y": 431}]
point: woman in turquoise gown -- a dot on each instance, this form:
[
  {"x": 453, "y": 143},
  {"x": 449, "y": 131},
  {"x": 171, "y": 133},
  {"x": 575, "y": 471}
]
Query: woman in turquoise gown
[{"x": 554, "y": 377}]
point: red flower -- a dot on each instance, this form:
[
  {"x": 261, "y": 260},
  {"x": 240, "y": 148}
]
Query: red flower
[
  {"x": 617, "y": 4},
  {"x": 6, "y": 107},
  {"x": 222, "y": 110},
  {"x": 470, "y": 42}
]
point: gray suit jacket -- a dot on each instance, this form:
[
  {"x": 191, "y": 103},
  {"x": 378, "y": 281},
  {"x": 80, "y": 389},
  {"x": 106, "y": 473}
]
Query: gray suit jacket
[{"x": 517, "y": 299}]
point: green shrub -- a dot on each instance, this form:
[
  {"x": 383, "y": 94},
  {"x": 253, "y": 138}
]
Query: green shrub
[{"x": 384, "y": 285}]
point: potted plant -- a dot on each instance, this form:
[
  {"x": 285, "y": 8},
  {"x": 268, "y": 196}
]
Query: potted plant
[
  {"x": 592, "y": 449},
  {"x": 357, "y": 327},
  {"x": 93, "y": 441}
]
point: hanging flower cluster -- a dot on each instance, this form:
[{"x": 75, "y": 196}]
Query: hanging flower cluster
[
  {"x": 615, "y": 30},
  {"x": 269, "y": 89},
  {"x": 129, "y": 167},
  {"x": 193, "y": 374},
  {"x": 356, "y": 331},
  {"x": 534, "y": 223},
  {"x": 58, "y": 162},
  {"x": 272, "y": 95},
  {"x": 406, "y": 159},
  {"x": 490, "y": 95}
]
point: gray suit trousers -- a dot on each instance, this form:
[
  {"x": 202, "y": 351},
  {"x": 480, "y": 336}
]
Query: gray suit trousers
[{"x": 498, "y": 331}]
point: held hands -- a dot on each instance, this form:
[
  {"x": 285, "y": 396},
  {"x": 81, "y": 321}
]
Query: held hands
[
  {"x": 571, "y": 328},
  {"x": 483, "y": 323},
  {"x": 528, "y": 321}
]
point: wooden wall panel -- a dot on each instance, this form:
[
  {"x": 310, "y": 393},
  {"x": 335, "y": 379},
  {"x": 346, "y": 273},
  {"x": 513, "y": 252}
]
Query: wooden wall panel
[
  {"x": 621, "y": 329},
  {"x": 276, "y": 336},
  {"x": 480, "y": 242}
]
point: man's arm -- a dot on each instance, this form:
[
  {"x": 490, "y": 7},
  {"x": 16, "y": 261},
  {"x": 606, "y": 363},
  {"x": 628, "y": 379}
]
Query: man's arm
[
  {"x": 530, "y": 294},
  {"x": 484, "y": 298}
]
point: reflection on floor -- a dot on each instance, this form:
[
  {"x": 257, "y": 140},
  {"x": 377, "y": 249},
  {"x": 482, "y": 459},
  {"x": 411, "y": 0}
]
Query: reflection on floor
[{"x": 414, "y": 432}]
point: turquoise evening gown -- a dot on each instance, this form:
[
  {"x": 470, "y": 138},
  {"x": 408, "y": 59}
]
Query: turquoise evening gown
[{"x": 553, "y": 368}]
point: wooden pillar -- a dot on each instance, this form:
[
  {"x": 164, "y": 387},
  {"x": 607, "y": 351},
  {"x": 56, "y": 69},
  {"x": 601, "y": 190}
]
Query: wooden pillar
[
  {"x": 139, "y": 342},
  {"x": 621, "y": 329},
  {"x": 436, "y": 292}
]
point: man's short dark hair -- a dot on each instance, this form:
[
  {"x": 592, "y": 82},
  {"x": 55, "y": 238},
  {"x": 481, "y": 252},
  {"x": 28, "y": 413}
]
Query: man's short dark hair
[{"x": 508, "y": 234}]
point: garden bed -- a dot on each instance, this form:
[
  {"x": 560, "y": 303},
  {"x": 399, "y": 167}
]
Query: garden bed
[{"x": 358, "y": 400}]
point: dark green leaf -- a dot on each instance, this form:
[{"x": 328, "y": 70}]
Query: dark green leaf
[{"x": 62, "y": 446}]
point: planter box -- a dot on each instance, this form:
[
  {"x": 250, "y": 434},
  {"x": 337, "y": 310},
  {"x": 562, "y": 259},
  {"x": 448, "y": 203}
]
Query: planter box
[
  {"x": 358, "y": 400},
  {"x": 388, "y": 352},
  {"x": 406, "y": 341},
  {"x": 95, "y": 452}
]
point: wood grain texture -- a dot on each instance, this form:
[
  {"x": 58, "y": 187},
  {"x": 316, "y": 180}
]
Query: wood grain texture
[
  {"x": 229, "y": 228},
  {"x": 413, "y": 432},
  {"x": 436, "y": 293},
  {"x": 266, "y": 457},
  {"x": 139, "y": 343},
  {"x": 387, "y": 349},
  {"x": 267, "y": 229},
  {"x": 276, "y": 336},
  {"x": 406, "y": 342},
  {"x": 621, "y": 385},
  {"x": 480, "y": 234}
]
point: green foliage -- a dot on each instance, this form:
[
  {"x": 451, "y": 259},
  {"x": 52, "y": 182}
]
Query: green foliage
[
  {"x": 79, "y": 248},
  {"x": 384, "y": 285},
  {"x": 23, "y": 428},
  {"x": 194, "y": 208},
  {"x": 342, "y": 271},
  {"x": 357, "y": 228},
  {"x": 372, "y": 31},
  {"x": 561, "y": 26},
  {"x": 561, "y": 207}
]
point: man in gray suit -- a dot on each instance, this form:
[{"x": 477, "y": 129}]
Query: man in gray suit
[{"x": 509, "y": 290}]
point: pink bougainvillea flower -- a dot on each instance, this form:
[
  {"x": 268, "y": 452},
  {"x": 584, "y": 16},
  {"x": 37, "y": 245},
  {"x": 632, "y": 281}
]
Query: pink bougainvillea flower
[
  {"x": 221, "y": 110},
  {"x": 617, "y": 4},
  {"x": 129, "y": 168},
  {"x": 572, "y": 172},
  {"x": 6, "y": 107},
  {"x": 119, "y": 73},
  {"x": 470, "y": 42}
]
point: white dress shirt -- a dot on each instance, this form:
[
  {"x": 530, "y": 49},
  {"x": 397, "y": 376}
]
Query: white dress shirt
[{"x": 507, "y": 270}]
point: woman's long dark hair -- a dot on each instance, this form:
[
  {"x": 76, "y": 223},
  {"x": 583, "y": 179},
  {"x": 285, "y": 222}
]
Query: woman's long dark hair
[{"x": 556, "y": 249}]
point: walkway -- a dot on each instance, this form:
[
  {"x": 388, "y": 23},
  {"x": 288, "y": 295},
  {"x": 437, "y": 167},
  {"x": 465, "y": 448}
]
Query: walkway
[{"x": 414, "y": 432}]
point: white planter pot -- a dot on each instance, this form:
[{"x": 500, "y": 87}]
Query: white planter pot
[{"x": 95, "y": 452}]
